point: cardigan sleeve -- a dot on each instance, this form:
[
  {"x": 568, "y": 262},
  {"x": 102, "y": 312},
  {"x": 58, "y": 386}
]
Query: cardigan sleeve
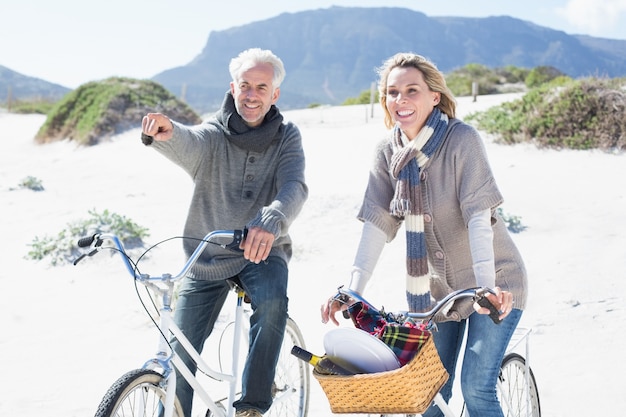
[
  {"x": 475, "y": 184},
  {"x": 379, "y": 193}
]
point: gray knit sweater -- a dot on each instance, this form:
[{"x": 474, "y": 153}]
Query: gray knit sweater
[
  {"x": 236, "y": 187},
  {"x": 456, "y": 183}
]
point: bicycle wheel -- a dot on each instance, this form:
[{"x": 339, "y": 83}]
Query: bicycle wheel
[
  {"x": 517, "y": 398},
  {"x": 292, "y": 380},
  {"x": 291, "y": 387},
  {"x": 138, "y": 393}
]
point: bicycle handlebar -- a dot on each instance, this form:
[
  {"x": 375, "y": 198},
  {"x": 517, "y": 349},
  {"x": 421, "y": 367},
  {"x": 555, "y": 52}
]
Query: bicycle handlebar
[
  {"x": 478, "y": 293},
  {"x": 234, "y": 239},
  {"x": 230, "y": 239}
]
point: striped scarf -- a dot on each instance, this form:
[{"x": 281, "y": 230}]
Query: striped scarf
[{"x": 407, "y": 202}]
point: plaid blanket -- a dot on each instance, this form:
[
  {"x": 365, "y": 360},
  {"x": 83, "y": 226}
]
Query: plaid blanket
[{"x": 404, "y": 337}]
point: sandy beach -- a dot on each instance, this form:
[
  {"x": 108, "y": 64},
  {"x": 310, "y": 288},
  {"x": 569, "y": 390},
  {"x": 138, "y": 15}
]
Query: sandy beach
[{"x": 70, "y": 331}]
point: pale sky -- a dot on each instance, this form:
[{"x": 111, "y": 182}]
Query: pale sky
[{"x": 71, "y": 42}]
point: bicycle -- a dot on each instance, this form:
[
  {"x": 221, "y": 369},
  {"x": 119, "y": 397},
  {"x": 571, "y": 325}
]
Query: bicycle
[
  {"x": 516, "y": 387},
  {"x": 150, "y": 391}
]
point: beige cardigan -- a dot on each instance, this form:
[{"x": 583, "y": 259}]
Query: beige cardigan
[{"x": 456, "y": 183}]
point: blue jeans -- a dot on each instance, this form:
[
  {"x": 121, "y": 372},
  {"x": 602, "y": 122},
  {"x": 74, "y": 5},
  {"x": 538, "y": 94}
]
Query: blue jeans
[
  {"x": 199, "y": 305},
  {"x": 484, "y": 351}
]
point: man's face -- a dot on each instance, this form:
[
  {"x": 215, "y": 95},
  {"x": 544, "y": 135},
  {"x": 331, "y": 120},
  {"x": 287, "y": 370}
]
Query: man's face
[{"x": 254, "y": 93}]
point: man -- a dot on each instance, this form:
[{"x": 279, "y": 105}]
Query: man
[{"x": 248, "y": 170}]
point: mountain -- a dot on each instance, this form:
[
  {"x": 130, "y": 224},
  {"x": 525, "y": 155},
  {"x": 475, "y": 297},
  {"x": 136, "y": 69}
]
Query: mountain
[
  {"x": 22, "y": 87},
  {"x": 331, "y": 54}
]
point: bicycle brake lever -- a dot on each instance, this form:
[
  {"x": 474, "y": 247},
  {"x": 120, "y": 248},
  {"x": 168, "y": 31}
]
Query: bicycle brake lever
[
  {"x": 84, "y": 255},
  {"x": 238, "y": 237},
  {"x": 80, "y": 258}
]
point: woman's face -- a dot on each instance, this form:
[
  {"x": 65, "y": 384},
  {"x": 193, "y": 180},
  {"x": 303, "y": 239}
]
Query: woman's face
[{"x": 409, "y": 100}]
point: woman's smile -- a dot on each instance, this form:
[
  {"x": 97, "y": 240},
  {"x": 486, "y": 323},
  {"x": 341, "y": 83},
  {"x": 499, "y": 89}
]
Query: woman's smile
[{"x": 409, "y": 100}]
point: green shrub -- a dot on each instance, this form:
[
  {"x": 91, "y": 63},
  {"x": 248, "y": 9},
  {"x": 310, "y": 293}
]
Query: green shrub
[
  {"x": 490, "y": 81},
  {"x": 34, "y": 106},
  {"x": 62, "y": 248},
  {"x": 512, "y": 74},
  {"x": 31, "y": 183},
  {"x": 363, "y": 98},
  {"x": 100, "y": 109},
  {"x": 586, "y": 113},
  {"x": 541, "y": 75},
  {"x": 513, "y": 223},
  {"x": 460, "y": 80}
]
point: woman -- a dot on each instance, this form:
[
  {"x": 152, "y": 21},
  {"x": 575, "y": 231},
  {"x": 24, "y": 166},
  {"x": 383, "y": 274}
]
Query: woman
[{"x": 433, "y": 174}]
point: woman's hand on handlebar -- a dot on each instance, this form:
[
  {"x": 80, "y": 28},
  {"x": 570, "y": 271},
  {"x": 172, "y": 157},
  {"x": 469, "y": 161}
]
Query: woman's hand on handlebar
[
  {"x": 257, "y": 245},
  {"x": 337, "y": 302},
  {"x": 501, "y": 300}
]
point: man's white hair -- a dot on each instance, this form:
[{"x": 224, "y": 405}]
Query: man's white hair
[{"x": 251, "y": 57}]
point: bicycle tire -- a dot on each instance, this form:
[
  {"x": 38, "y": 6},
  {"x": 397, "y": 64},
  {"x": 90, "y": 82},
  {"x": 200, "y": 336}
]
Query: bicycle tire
[
  {"x": 512, "y": 381},
  {"x": 291, "y": 387},
  {"x": 137, "y": 393}
]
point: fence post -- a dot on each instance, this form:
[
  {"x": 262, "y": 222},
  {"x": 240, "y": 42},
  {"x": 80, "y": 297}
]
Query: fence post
[
  {"x": 9, "y": 98},
  {"x": 372, "y": 97},
  {"x": 474, "y": 90}
]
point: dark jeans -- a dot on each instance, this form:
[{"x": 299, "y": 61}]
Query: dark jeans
[
  {"x": 484, "y": 351},
  {"x": 198, "y": 306}
]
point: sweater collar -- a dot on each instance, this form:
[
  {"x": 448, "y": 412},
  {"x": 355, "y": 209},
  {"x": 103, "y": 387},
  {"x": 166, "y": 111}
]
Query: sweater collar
[{"x": 255, "y": 139}]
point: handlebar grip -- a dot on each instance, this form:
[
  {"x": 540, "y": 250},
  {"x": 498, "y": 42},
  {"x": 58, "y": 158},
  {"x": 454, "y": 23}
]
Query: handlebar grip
[
  {"x": 147, "y": 139},
  {"x": 85, "y": 242},
  {"x": 494, "y": 314}
]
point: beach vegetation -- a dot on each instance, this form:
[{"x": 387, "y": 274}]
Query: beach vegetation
[
  {"x": 31, "y": 183},
  {"x": 586, "y": 113},
  {"x": 98, "y": 110},
  {"x": 62, "y": 248}
]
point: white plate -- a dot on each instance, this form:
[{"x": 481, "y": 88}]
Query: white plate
[{"x": 360, "y": 349}]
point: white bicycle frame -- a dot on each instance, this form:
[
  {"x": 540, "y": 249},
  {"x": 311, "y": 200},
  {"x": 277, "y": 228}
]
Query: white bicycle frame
[
  {"x": 163, "y": 285},
  {"x": 165, "y": 356}
]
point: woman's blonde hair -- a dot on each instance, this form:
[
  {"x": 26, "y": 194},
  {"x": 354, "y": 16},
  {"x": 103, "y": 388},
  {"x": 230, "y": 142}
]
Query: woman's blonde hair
[{"x": 432, "y": 76}]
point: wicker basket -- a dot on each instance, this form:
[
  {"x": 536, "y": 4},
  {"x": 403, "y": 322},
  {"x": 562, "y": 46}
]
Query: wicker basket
[{"x": 406, "y": 390}]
